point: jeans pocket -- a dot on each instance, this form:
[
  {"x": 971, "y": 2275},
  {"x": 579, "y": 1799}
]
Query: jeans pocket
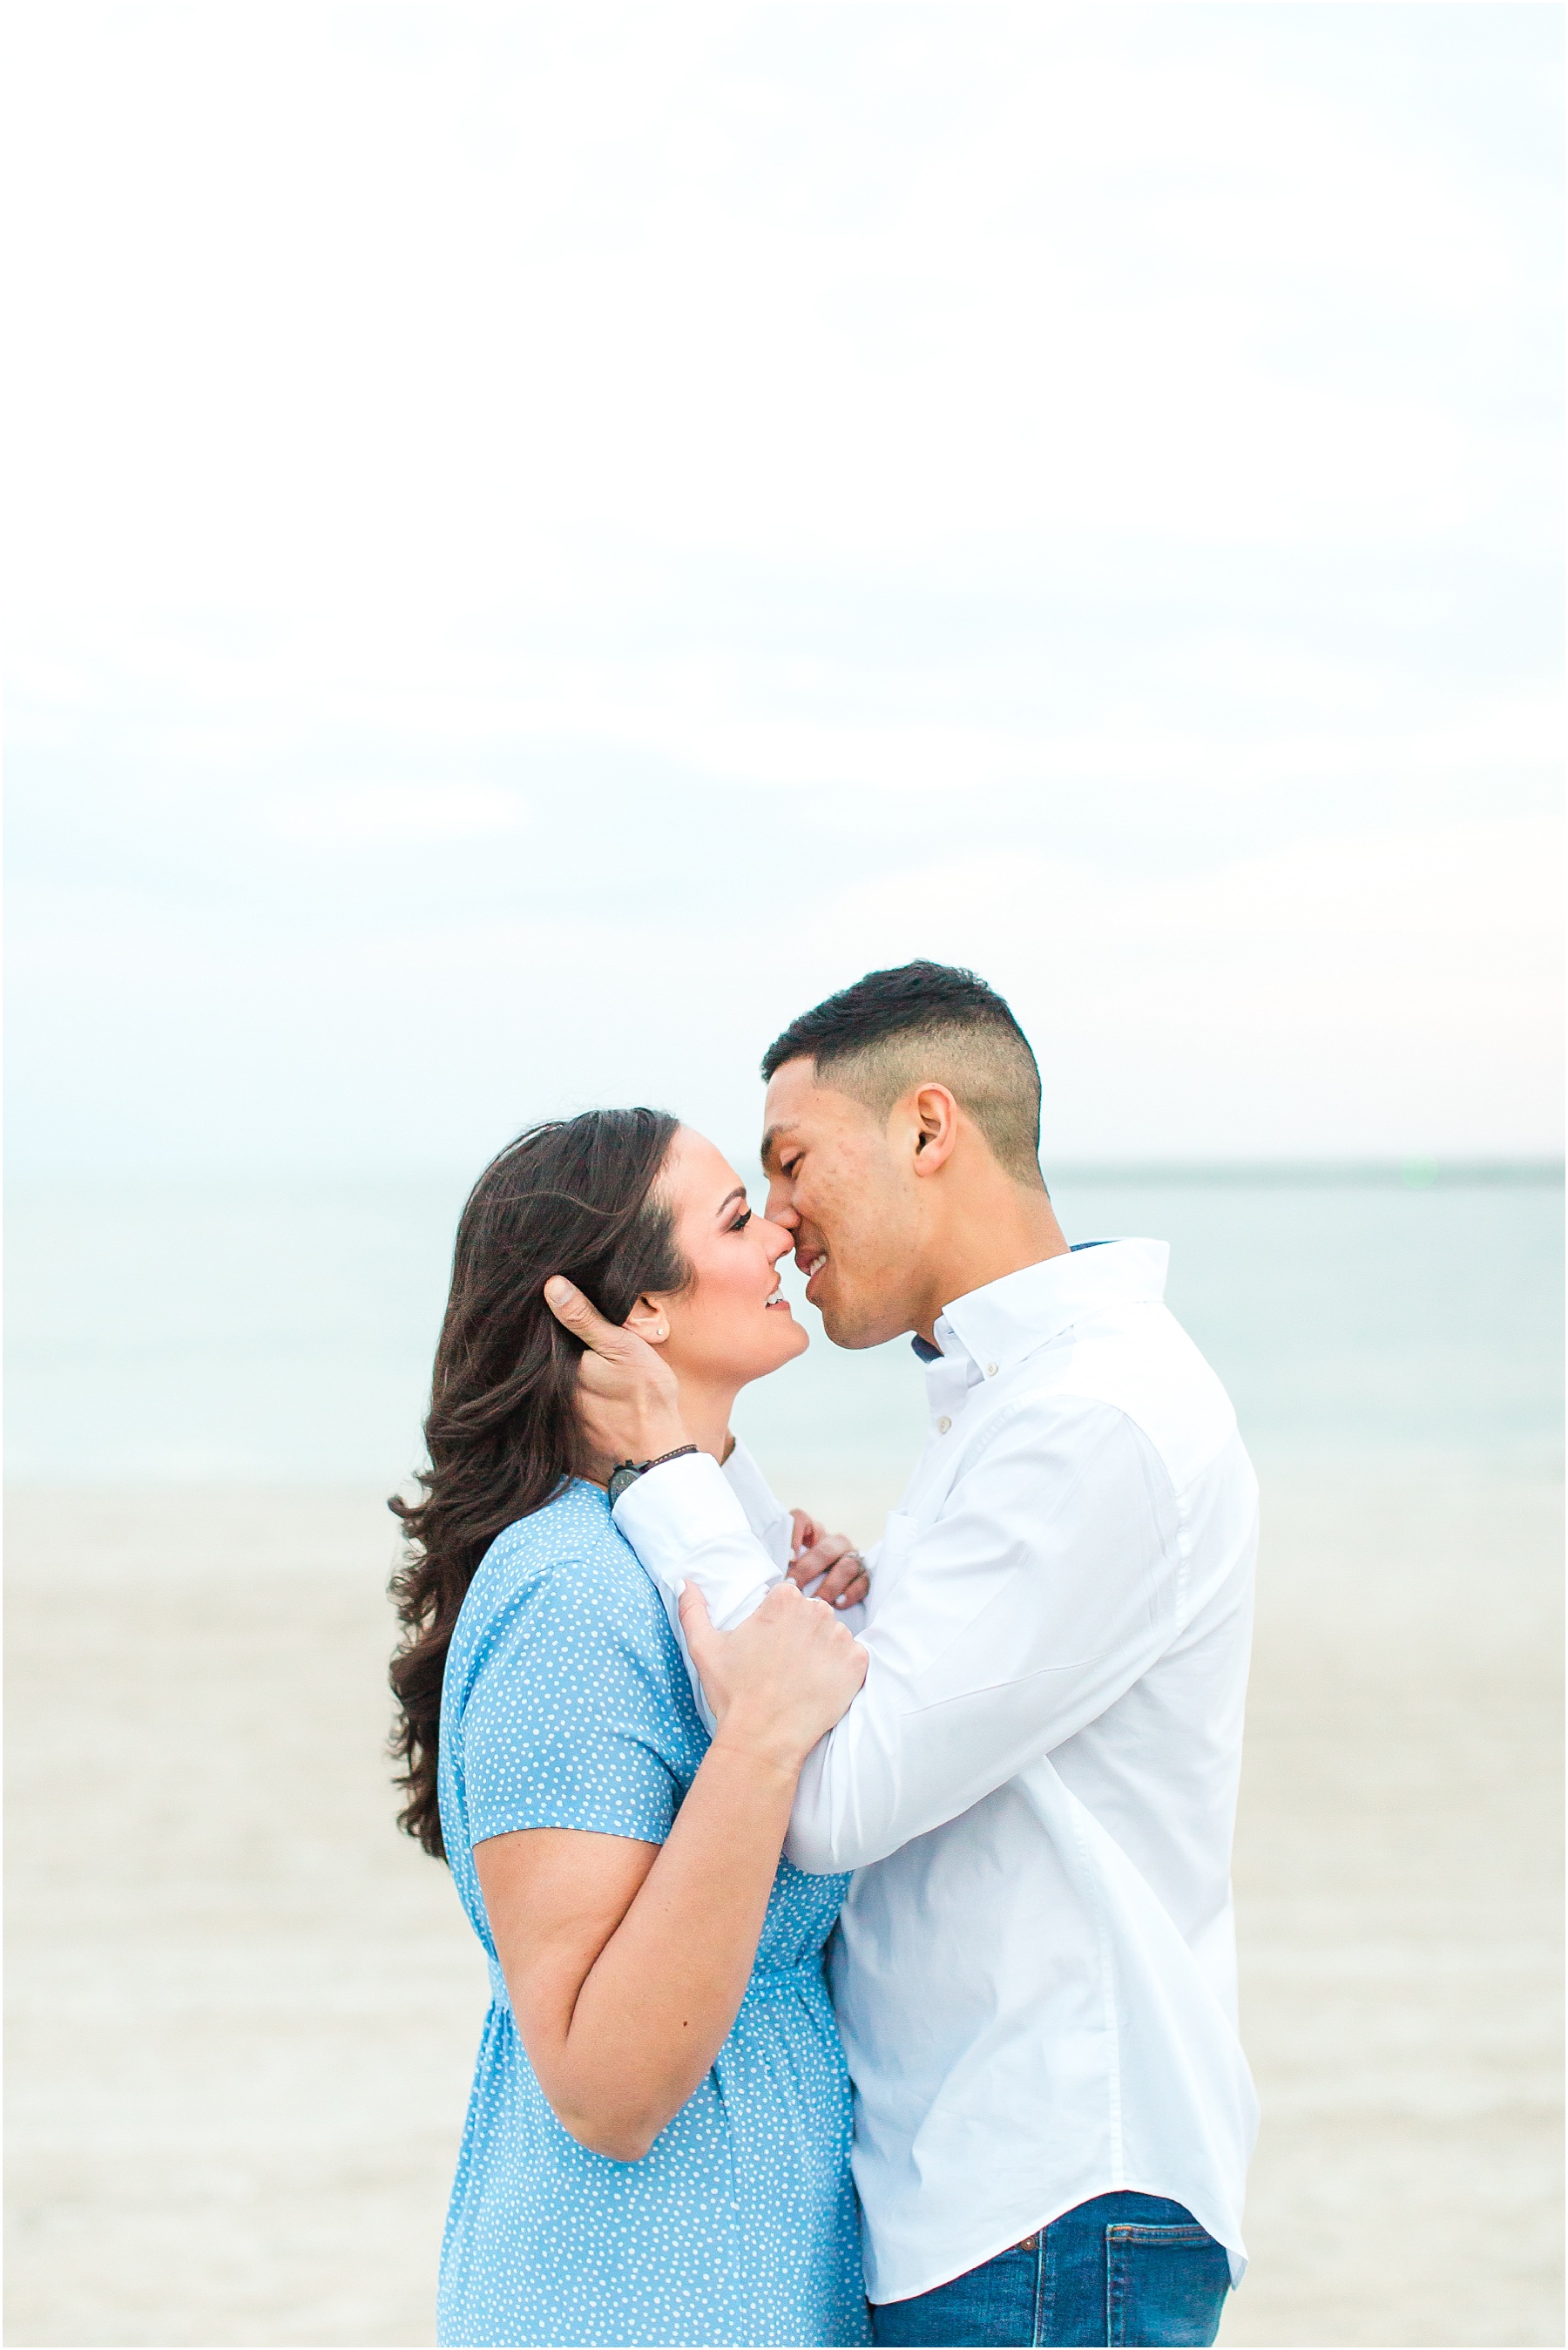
[{"x": 1164, "y": 2285}]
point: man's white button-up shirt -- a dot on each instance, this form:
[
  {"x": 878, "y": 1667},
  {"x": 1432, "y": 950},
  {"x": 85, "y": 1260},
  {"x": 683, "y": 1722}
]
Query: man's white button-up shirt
[{"x": 1034, "y": 1975}]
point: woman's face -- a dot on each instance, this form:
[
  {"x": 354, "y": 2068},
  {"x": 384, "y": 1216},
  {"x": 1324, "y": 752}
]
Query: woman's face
[{"x": 732, "y": 1322}]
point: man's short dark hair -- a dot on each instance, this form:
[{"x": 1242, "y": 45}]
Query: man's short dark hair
[{"x": 927, "y": 1023}]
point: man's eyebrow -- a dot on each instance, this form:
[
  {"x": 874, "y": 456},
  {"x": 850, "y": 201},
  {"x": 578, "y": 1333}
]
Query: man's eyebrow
[{"x": 769, "y": 1141}]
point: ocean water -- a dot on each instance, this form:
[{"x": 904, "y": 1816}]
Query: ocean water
[{"x": 282, "y": 1332}]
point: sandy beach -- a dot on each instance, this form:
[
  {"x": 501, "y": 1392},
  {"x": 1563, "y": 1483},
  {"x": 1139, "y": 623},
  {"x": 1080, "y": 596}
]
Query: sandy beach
[{"x": 243, "y": 2011}]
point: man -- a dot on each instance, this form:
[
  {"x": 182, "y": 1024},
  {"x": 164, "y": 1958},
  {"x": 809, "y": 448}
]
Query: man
[{"x": 1034, "y": 1976}]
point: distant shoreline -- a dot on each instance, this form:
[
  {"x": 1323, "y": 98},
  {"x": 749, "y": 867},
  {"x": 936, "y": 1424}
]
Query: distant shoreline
[{"x": 1411, "y": 1174}]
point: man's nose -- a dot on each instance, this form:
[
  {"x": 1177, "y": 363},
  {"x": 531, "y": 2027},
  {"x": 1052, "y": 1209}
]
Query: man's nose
[{"x": 779, "y": 1211}]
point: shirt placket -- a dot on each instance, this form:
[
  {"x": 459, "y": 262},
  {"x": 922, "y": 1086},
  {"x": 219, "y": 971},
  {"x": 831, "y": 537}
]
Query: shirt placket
[{"x": 949, "y": 1385}]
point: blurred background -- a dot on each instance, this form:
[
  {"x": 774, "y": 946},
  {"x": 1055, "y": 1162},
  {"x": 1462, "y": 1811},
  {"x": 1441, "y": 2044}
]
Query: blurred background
[{"x": 547, "y": 539}]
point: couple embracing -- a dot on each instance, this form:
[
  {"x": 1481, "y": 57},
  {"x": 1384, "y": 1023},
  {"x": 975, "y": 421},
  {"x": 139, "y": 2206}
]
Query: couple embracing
[{"x": 860, "y": 1945}]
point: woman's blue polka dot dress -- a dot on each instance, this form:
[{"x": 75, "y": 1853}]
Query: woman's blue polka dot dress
[{"x": 567, "y": 1705}]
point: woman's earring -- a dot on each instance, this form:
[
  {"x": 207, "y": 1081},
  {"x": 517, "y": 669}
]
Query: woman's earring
[{"x": 661, "y": 1332}]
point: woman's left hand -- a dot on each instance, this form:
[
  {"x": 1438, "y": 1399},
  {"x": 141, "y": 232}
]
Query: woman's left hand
[{"x": 815, "y": 1553}]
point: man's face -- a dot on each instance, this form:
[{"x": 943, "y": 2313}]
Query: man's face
[{"x": 838, "y": 1182}]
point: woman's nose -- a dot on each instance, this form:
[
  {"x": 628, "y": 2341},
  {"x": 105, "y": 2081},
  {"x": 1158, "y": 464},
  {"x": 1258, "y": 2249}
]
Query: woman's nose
[{"x": 777, "y": 1239}]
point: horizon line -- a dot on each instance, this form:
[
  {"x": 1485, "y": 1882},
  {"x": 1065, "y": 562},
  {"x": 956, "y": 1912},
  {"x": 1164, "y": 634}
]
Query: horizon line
[{"x": 1409, "y": 1172}]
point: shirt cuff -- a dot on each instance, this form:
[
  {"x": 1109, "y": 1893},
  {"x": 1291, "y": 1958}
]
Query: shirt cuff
[{"x": 678, "y": 1508}]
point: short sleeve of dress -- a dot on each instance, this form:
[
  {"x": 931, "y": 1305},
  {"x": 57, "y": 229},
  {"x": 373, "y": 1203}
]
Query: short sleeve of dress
[{"x": 572, "y": 1716}]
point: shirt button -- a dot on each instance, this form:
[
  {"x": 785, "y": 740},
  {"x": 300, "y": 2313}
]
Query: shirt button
[
  {"x": 943, "y": 1425},
  {"x": 991, "y": 1370}
]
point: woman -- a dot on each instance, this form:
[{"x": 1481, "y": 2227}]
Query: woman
[{"x": 657, "y": 2144}]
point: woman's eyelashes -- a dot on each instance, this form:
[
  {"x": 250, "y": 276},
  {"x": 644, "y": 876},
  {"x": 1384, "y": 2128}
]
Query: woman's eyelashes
[{"x": 742, "y": 1221}]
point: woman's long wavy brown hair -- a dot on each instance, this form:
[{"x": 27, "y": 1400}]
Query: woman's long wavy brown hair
[{"x": 577, "y": 1197}]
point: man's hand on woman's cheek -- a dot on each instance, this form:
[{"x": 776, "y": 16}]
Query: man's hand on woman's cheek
[{"x": 629, "y": 1399}]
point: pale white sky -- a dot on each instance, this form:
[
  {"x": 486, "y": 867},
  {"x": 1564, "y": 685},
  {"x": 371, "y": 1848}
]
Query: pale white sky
[{"x": 549, "y": 537}]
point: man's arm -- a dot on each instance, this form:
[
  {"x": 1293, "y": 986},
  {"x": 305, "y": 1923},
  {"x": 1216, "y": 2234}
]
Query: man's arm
[{"x": 1046, "y": 1586}]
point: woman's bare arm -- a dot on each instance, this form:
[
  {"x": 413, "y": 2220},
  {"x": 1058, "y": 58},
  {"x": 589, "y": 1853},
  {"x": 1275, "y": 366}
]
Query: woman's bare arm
[{"x": 626, "y": 1963}]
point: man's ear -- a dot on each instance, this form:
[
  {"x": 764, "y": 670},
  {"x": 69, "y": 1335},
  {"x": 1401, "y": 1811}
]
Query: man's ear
[{"x": 934, "y": 1115}]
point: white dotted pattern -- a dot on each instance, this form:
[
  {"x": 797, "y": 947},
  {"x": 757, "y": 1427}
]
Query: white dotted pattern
[{"x": 567, "y": 1705}]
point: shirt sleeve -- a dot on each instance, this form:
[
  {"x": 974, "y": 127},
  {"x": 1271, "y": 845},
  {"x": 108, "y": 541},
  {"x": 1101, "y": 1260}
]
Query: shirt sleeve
[
  {"x": 1048, "y": 1585},
  {"x": 688, "y": 1524},
  {"x": 569, "y": 1720},
  {"x": 689, "y": 1521}
]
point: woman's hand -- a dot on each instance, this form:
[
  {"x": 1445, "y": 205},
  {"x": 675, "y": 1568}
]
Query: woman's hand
[
  {"x": 781, "y": 1680},
  {"x": 815, "y": 1553}
]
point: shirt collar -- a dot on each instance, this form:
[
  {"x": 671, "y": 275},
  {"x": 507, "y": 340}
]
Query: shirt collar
[{"x": 1007, "y": 1319}]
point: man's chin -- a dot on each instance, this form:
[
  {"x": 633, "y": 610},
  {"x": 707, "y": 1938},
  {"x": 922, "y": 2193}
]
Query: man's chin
[{"x": 852, "y": 1331}]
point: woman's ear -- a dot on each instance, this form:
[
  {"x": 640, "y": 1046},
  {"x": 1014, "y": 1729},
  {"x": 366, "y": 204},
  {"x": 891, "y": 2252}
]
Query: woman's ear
[{"x": 647, "y": 1321}]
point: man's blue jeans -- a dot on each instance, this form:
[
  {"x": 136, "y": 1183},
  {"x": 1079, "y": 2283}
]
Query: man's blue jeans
[{"x": 1122, "y": 2269}]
